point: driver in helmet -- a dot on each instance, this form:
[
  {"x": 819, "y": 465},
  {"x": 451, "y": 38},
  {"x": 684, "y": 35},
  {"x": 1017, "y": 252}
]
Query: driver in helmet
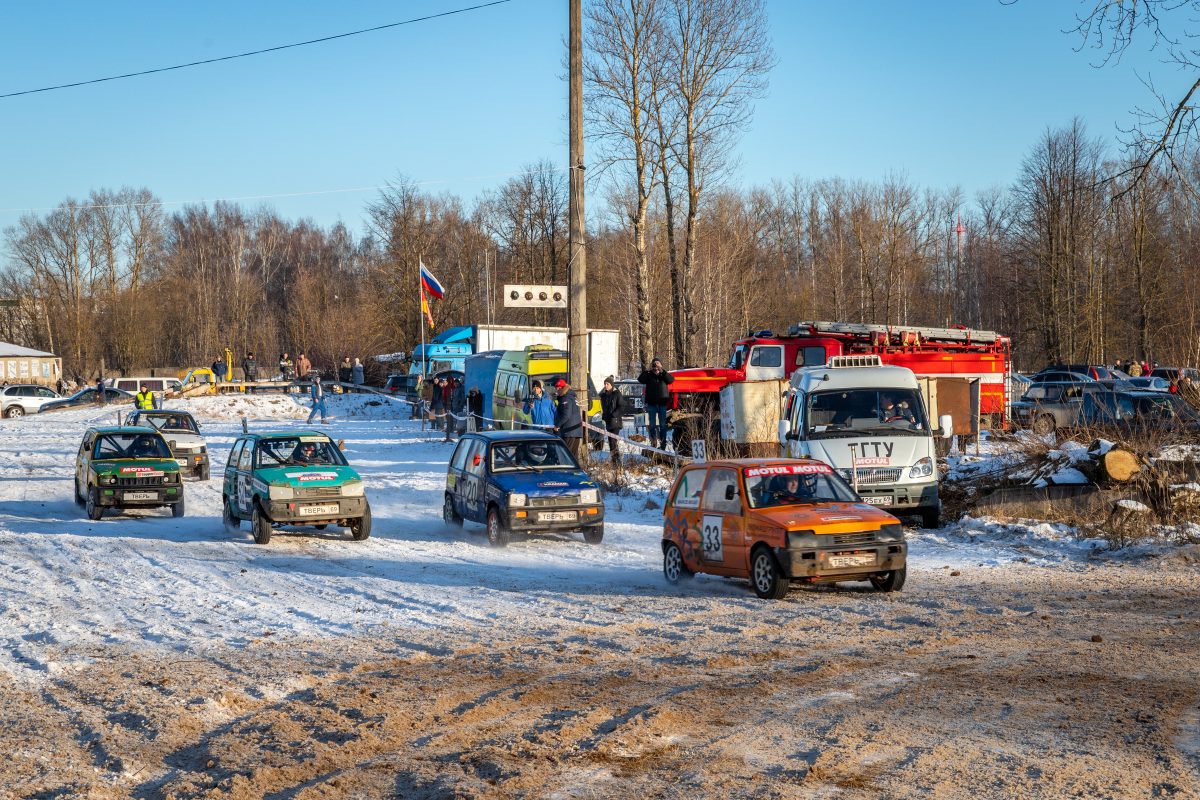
[
  {"x": 144, "y": 447},
  {"x": 793, "y": 488},
  {"x": 537, "y": 454},
  {"x": 306, "y": 452}
]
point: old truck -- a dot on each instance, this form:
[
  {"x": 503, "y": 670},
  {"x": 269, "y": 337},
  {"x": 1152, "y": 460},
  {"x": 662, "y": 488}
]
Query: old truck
[{"x": 956, "y": 353}]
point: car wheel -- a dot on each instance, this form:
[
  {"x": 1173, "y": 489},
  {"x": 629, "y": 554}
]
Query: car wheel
[
  {"x": 205, "y": 472},
  {"x": 497, "y": 533},
  {"x": 449, "y": 514},
  {"x": 178, "y": 509},
  {"x": 94, "y": 509},
  {"x": 361, "y": 528},
  {"x": 1044, "y": 424},
  {"x": 321, "y": 527},
  {"x": 765, "y": 576},
  {"x": 14, "y": 411},
  {"x": 593, "y": 534},
  {"x": 674, "y": 570},
  {"x": 890, "y": 581},
  {"x": 260, "y": 523},
  {"x": 931, "y": 517},
  {"x": 232, "y": 521}
]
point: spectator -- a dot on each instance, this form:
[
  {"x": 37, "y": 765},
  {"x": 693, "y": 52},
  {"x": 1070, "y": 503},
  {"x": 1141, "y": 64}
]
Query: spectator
[
  {"x": 475, "y": 407},
  {"x": 437, "y": 404},
  {"x": 356, "y": 373},
  {"x": 285, "y": 367},
  {"x": 101, "y": 398},
  {"x": 60, "y": 386},
  {"x": 568, "y": 419},
  {"x": 425, "y": 393},
  {"x": 219, "y": 368},
  {"x": 612, "y": 411},
  {"x": 658, "y": 396},
  {"x": 539, "y": 407},
  {"x": 249, "y": 368},
  {"x": 1135, "y": 369},
  {"x": 345, "y": 370},
  {"x": 144, "y": 400},
  {"x": 457, "y": 420},
  {"x": 303, "y": 366},
  {"x": 317, "y": 392}
]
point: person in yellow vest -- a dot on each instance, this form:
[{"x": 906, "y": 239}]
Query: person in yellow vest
[{"x": 144, "y": 399}]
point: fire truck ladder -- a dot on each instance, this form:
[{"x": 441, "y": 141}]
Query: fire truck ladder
[{"x": 963, "y": 335}]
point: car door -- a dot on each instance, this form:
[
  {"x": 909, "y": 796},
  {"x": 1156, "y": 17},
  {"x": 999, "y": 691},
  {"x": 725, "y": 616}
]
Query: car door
[
  {"x": 81, "y": 462},
  {"x": 682, "y": 520},
  {"x": 455, "y": 479},
  {"x": 722, "y": 532},
  {"x": 474, "y": 491},
  {"x": 229, "y": 479},
  {"x": 244, "y": 474}
]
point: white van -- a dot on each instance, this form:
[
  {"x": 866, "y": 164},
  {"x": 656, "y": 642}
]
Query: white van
[
  {"x": 134, "y": 384},
  {"x": 869, "y": 423}
]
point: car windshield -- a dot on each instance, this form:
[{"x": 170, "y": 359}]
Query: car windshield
[
  {"x": 169, "y": 422},
  {"x": 890, "y": 411},
  {"x": 113, "y": 446},
  {"x": 298, "y": 451},
  {"x": 795, "y": 484},
  {"x": 533, "y": 455}
]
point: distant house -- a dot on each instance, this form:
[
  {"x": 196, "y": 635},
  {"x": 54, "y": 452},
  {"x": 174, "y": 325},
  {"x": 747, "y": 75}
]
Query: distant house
[{"x": 23, "y": 365}]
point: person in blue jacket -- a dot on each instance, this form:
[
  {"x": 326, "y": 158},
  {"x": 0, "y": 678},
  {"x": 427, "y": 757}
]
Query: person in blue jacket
[
  {"x": 540, "y": 407},
  {"x": 317, "y": 392}
]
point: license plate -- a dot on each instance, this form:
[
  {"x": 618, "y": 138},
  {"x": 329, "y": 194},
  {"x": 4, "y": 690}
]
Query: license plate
[
  {"x": 141, "y": 495},
  {"x": 858, "y": 560},
  {"x": 318, "y": 511},
  {"x": 879, "y": 500},
  {"x": 183, "y": 462},
  {"x": 556, "y": 516}
]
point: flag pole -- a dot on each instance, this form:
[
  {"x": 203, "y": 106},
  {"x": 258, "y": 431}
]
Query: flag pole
[{"x": 424, "y": 356}]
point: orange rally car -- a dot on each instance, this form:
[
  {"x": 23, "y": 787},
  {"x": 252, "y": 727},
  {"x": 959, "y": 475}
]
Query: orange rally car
[{"x": 776, "y": 521}]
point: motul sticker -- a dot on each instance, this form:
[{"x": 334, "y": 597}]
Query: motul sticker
[
  {"x": 313, "y": 476},
  {"x": 789, "y": 469},
  {"x": 872, "y": 462},
  {"x": 149, "y": 472}
]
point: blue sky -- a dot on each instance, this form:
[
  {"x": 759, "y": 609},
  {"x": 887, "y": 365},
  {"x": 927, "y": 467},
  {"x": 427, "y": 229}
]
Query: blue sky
[{"x": 946, "y": 93}]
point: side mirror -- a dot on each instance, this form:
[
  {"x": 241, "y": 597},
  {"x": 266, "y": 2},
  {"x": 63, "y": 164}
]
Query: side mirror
[
  {"x": 785, "y": 431},
  {"x": 946, "y": 426},
  {"x": 730, "y": 492},
  {"x": 475, "y": 461}
]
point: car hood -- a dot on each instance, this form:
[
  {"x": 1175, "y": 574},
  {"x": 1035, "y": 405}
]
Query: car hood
[
  {"x": 132, "y": 467},
  {"x": 547, "y": 482},
  {"x": 307, "y": 476},
  {"x": 825, "y": 517}
]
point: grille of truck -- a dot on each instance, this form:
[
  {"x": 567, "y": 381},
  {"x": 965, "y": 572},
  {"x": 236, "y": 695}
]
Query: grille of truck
[
  {"x": 864, "y": 537},
  {"x": 147, "y": 482},
  {"x": 560, "y": 500},
  {"x": 877, "y": 475}
]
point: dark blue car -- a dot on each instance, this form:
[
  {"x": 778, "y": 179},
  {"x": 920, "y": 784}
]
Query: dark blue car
[{"x": 521, "y": 481}]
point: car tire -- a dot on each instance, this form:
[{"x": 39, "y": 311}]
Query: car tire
[
  {"x": 360, "y": 528},
  {"x": 765, "y": 576},
  {"x": 231, "y": 520},
  {"x": 322, "y": 526},
  {"x": 593, "y": 534},
  {"x": 449, "y": 514},
  {"x": 497, "y": 533},
  {"x": 260, "y": 523},
  {"x": 890, "y": 581},
  {"x": 1044, "y": 424},
  {"x": 14, "y": 411},
  {"x": 931, "y": 518},
  {"x": 79, "y": 500},
  {"x": 94, "y": 509},
  {"x": 178, "y": 509},
  {"x": 674, "y": 569},
  {"x": 205, "y": 472}
]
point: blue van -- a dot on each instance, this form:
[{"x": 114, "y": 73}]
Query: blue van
[{"x": 523, "y": 481}]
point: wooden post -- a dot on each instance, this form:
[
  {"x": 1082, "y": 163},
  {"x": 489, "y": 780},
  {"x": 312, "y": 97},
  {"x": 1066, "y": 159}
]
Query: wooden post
[{"x": 577, "y": 265}]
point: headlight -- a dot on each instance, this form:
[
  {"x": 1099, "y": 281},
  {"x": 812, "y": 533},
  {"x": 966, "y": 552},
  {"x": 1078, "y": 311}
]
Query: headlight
[
  {"x": 589, "y": 496},
  {"x": 921, "y": 469},
  {"x": 516, "y": 499},
  {"x": 353, "y": 489},
  {"x": 108, "y": 479},
  {"x": 891, "y": 533},
  {"x": 280, "y": 492},
  {"x": 799, "y": 539}
]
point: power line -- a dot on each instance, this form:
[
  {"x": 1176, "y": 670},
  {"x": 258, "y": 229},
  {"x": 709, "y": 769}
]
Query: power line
[{"x": 257, "y": 52}]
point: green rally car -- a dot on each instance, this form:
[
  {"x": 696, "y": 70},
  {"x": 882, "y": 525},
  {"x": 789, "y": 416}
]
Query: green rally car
[
  {"x": 127, "y": 467},
  {"x": 292, "y": 478}
]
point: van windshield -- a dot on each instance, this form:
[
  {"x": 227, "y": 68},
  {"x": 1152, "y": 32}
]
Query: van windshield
[{"x": 894, "y": 412}]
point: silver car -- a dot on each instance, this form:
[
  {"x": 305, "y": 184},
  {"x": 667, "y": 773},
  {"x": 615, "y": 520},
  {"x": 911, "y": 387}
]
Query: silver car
[{"x": 20, "y": 399}]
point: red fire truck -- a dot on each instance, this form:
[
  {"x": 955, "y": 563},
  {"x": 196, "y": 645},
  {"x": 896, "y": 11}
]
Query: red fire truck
[{"x": 957, "y": 352}]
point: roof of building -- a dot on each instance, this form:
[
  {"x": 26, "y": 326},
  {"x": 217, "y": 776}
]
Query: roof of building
[{"x": 9, "y": 350}]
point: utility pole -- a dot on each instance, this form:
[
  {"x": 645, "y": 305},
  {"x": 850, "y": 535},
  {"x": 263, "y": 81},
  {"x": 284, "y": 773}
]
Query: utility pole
[{"x": 577, "y": 266}]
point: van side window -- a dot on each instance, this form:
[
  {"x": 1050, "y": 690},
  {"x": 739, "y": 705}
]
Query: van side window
[
  {"x": 717, "y": 491},
  {"x": 687, "y": 494},
  {"x": 764, "y": 356}
]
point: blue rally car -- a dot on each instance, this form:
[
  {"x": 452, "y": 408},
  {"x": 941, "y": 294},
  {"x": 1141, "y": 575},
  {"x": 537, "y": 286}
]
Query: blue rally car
[{"x": 521, "y": 481}]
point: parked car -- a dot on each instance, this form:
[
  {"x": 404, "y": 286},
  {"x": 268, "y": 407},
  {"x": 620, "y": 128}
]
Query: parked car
[
  {"x": 1061, "y": 376},
  {"x": 1138, "y": 410},
  {"x": 126, "y": 467},
  {"x": 1175, "y": 373},
  {"x": 778, "y": 521},
  {"x": 1048, "y": 406},
  {"x": 20, "y": 399},
  {"x": 86, "y": 397},
  {"x": 292, "y": 478},
  {"x": 523, "y": 481},
  {"x": 134, "y": 384},
  {"x": 635, "y": 396},
  {"x": 182, "y": 435},
  {"x": 1095, "y": 371},
  {"x": 1151, "y": 384}
]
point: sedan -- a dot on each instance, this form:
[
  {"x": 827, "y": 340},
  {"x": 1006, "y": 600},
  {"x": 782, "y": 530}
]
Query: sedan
[{"x": 87, "y": 397}]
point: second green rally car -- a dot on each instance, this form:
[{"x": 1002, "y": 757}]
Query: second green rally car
[{"x": 127, "y": 467}]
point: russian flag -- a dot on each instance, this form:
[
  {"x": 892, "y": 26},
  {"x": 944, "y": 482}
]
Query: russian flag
[{"x": 430, "y": 283}]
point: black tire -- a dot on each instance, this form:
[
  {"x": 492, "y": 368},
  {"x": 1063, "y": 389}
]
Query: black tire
[
  {"x": 593, "y": 534},
  {"x": 890, "y": 581},
  {"x": 178, "y": 509},
  {"x": 231, "y": 520},
  {"x": 79, "y": 501},
  {"x": 205, "y": 472},
  {"x": 361, "y": 528},
  {"x": 931, "y": 517},
  {"x": 322, "y": 526},
  {"x": 765, "y": 576},
  {"x": 260, "y": 523},
  {"x": 674, "y": 570},
  {"x": 14, "y": 412},
  {"x": 94, "y": 509},
  {"x": 1044, "y": 424},
  {"x": 497, "y": 533},
  {"x": 449, "y": 514}
]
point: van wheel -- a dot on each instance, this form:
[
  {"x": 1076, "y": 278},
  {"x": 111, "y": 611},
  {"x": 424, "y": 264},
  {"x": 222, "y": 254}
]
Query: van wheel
[
  {"x": 94, "y": 509},
  {"x": 765, "y": 576},
  {"x": 14, "y": 412},
  {"x": 1044, "y": 424},
  {"x": 931, "y": 517},
  {"x": 178, "y": 509},
  {"x": 260, "y": 523},
  {"x": 593, "y": 534},
  {"x": 674, "y": 570},
  {"x": 449, "y": 514},
  {"x": 890, "y": 581},
  {"x": 497, "y": 533},
  {"x": 232, "y": 521},
  {"x": 361, "y": 528}
]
